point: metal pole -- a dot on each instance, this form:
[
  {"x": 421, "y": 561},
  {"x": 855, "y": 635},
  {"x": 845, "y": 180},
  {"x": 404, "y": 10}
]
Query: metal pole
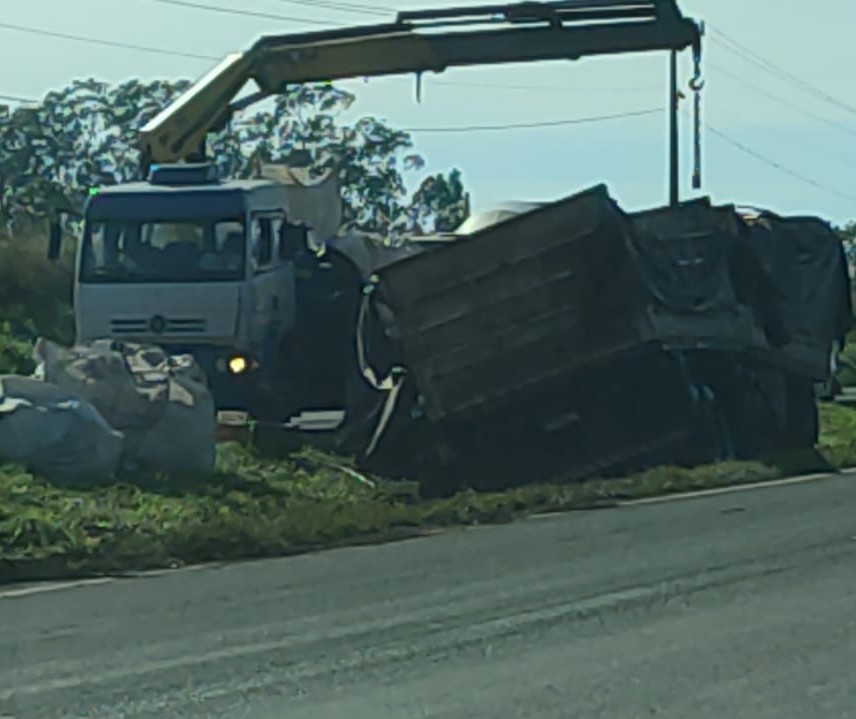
[{"x": 674, "y": 197}]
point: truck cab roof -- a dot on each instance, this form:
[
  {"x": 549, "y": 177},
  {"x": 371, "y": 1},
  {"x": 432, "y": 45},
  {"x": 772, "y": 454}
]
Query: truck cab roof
[
  {"x": 144, "y": 201},
  {"x": 142, "y": 187},
  {"x": 193, "y": 191}
]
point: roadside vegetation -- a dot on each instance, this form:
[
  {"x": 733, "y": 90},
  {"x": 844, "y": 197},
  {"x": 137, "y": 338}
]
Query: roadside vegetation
[
  {"x": 35, "y": 297},
  {"x": 253, "y": 508}
]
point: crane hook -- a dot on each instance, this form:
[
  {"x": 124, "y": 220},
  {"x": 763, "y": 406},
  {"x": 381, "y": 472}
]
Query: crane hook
[{"x": 696, "y": 84}]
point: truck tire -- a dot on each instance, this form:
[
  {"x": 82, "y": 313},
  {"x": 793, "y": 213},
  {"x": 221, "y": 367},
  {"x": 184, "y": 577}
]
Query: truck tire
[
  {"x": 802, "y": 425},
  {"x": 275, "y": 442}
]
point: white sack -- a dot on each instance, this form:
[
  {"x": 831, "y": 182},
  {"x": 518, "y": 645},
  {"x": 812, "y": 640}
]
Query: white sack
[
  {"x": 161, "y": 404},
  {"x": 55, "y": 433}
]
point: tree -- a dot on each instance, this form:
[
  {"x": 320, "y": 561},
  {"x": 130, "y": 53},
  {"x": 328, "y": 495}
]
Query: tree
[
  {"x": 86, "y": 134},
  {"x": 848, "y": 238},
  {"x": 440, "y": 204},
  {"x": 371, "y": 159},
  {"x": 80, "y": 136}
]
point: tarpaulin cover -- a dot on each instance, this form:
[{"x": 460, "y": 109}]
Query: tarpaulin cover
[
  {"x": 698, "y": 268},
  {"x": 805, "y": 259},
  {"x": 527, "y": 302}
]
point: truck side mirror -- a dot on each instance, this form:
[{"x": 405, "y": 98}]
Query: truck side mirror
[{"x": 54, "y": 239}]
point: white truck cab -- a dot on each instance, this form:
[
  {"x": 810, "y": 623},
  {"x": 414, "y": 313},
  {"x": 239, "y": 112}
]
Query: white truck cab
[{"x": 202, "y": 266}]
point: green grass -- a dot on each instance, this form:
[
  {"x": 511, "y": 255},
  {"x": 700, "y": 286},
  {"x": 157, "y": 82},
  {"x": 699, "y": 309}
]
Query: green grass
[
  {"x": 35, "y": 296},
  {"x": 847, "y": 371},
  {"x": 252, "y": 508},
  {"x": 15, "y": 352},
  {"x": 838, "y": 438}
]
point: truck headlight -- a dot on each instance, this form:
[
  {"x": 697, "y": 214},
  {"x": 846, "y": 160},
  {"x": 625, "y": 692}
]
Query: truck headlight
[{"x": 238, "y": 364}]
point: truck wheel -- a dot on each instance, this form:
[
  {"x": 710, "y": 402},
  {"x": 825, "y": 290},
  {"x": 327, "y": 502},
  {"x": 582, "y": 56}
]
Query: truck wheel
[
  {"x": 275, "y": 442},
  {"x": 268, "y": 436},
  {"x": 802, "y": 428}
]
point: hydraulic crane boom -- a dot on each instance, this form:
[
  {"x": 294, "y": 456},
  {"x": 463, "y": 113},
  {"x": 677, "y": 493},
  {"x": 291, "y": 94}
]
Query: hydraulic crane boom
[{"x": 416, "y": 42}]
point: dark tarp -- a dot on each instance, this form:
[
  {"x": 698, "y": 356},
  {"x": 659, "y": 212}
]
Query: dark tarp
[
  {"x": 683, "y": 257},
  {"x": 805, "y": 258},
  {"x": 550, "y": 323},
  {"x": 708, "y": 290},
  {"x": 530, "y": 301}
]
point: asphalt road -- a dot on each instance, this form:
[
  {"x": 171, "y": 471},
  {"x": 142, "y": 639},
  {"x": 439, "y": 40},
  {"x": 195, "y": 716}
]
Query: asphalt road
[{"x": 732, "y": 606}]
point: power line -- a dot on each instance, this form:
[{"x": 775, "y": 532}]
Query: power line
[
  {"x": 532, "y": 125},
  {"x": 528, "y": 88},
  {"x": 342, "y": 6},
  {"x": 781, "y": 100},
  {"x": 105, "y": 43},
  {"x": 243, "y": 13},
  {"x": 375, "y": 10},
  {"x": 752, "y": 57},
  {"x": 197, "y": 56},
  {"x": 816, "y": 152},
  {"x": 479, "y": 128},
  {"x": 471, "y": 128},
  {"x": 16, "y": 98},
  {"x": 542, "y": 88},
  {"x": 778, "y": 166}
]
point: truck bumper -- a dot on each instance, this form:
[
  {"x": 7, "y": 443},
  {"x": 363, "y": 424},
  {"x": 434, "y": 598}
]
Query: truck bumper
[{"x": 235, "y": 391}]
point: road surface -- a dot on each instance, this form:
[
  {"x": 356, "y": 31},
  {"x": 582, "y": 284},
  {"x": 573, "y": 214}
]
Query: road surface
[{"x": 734, "y": 606}]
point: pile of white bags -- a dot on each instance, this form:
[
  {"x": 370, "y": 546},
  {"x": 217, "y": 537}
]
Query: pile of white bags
[
  {"x": 161, "y": 404},
  {"x": 92, "y": 410}
]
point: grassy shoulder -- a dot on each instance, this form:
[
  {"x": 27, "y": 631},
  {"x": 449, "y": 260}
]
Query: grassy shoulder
[
  {"x": 35, "y": 297},
  {"x": 257, "y": 509}
]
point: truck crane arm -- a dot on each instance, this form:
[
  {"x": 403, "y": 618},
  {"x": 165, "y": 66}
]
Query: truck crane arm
[{"x": 416, "y": 42}]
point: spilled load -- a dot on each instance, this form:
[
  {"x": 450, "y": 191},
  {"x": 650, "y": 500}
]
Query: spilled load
[{"x": 574, "y": 339}]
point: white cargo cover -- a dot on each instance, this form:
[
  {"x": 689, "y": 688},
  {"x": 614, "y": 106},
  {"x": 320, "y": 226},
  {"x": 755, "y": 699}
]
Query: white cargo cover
[{"x": 312, "y": 201}]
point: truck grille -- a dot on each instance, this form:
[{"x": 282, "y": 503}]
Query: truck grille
[{"x": 172, "y": 326}]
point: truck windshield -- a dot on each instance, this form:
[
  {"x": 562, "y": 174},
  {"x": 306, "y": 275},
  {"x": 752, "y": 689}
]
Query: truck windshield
[{"x": 145, "y": 251}]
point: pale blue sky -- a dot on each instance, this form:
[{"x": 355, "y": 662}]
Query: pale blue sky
[{"x": 628, "y": 154}]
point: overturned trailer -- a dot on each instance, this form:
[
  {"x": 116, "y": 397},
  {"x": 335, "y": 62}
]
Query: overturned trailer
[{"x": 576, "y": 339}]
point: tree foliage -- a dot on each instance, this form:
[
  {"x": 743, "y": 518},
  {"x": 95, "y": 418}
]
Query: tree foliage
[
  {"x": 847, "y": 233},
  {"x": 86, "y": 135}
]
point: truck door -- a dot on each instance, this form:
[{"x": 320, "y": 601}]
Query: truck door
[{"x": 273, "y": 288}]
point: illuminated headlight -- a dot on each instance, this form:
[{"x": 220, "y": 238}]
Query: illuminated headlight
[{"x": 238, "y": 364}]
